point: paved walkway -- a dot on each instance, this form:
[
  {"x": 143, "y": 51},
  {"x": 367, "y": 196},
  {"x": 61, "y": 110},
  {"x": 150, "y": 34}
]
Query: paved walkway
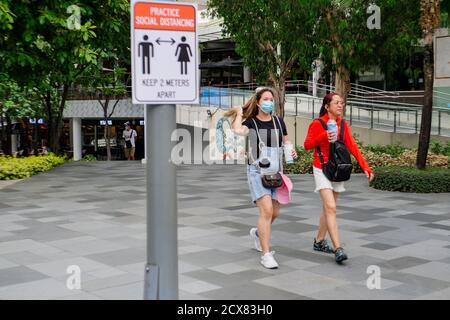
[{"x": 93, "y": 215}]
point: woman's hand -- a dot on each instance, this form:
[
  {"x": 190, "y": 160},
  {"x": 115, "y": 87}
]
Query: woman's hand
[
  {"x": 238, "y": 110},
  {"x": 331, "y": 136},
  {"x": 370, "y": 175},
  {"x": 294, "y": 154}
]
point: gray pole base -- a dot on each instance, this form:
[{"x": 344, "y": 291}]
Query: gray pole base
[{"x": 151, "y": 282}]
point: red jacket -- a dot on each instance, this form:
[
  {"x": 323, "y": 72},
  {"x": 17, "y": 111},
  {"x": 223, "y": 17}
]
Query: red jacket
[{"x": 317, "y": 136}]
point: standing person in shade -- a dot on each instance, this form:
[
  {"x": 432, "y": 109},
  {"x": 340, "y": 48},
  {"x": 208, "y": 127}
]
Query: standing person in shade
[
  {"x": 130, "y": 141},
  {"x": 317, "y": 136},
  {"x": 266, "y": 130}
]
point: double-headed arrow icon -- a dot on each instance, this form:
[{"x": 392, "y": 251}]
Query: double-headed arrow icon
[{"x": 158, "y": 41}]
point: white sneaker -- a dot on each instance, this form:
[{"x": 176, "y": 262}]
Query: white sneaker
[
  {"x": 255, "y": 239},
  {"x": 268, "y": 261}
]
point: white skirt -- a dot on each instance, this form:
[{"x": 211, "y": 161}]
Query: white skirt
[{"x": 322, "y": 182}]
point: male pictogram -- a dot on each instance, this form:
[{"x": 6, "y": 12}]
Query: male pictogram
[
  {"x": 147, "y": 49},
  {"x": 185, "y": 53}
]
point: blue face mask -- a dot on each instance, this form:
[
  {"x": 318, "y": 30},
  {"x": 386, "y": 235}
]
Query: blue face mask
[{"x": 267, "y": 106}]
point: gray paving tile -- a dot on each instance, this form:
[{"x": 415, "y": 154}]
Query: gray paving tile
[
  {"x": 378, "y": 246},
  {"x": 253, "y": 291},
  {"x": 422, "y": 217},
  {"x": 435, "y": 270},
  {"x": 19, "y": 274},
  {"x": 294, "y": 227},
  {"x": 403, "y": 262},
  {"x": 418, "y": 281},
  {"x": 120, "y": 257},
  {"x": 375, "y": 230},
  {"x": 436, "y": 226},
  {"x": 93, "y": 215}
]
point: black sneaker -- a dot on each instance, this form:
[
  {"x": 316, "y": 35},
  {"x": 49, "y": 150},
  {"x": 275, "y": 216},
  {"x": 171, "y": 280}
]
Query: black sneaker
[
  {"x": 322, "y": 245},
  {"x": 340, "y": 255}
]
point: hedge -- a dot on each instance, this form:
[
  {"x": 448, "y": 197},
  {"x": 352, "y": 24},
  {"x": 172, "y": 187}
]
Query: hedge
[
  {"x": 406, "y": 179},
  {"x": 374, "y": 156},
  {"x": 19, "y": 168}
]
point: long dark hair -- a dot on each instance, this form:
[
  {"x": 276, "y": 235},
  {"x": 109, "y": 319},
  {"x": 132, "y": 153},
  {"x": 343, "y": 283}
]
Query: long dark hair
[{"x": 326, "y": 101}]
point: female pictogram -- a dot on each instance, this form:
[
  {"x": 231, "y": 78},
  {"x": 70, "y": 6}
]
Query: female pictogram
[{"x": 185, "y": 53}]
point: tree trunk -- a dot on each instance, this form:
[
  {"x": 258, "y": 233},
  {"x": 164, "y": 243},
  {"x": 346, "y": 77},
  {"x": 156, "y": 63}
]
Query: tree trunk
[
  {"x": 278, "y": 83},
  {"x": 7, "y": 148},
  {"x": 26, "y": 140},
  {"x": 49, "y": 115},
  {"x": 429, "y": 20},
  {"x": 36, "y": 138},
  {"x": 55, "y": 121},
  {"x": 343, "y": 84},
  {"x": 281, "y": 95},
  {"x": 427, "y": 109}
]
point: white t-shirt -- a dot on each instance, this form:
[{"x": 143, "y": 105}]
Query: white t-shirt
[{"x": 130, "y": 135}]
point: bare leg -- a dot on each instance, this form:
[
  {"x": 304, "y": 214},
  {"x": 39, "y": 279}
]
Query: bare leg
[
  {"x": 323, "y": 227},
  {"x": 276, "y": 210},
  {"x": 329, "y": 206},
  {"x": 265, "y": 219}
]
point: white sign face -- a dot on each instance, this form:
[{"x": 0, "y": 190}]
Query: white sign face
[
  {"x": 164, "y": 52},
  {"x": 442, "y": 67}
]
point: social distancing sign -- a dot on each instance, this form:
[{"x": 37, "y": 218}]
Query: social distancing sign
[{"x": 164, "y": 53}]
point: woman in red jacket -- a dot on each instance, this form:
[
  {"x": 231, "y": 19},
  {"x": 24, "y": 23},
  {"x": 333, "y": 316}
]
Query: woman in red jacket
[{"x": 317, "y": 136}]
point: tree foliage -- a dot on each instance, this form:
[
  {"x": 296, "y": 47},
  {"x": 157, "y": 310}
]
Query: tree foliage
[
  {"x": 55, "y": 42},
  {"x": 260, "y": 27}
]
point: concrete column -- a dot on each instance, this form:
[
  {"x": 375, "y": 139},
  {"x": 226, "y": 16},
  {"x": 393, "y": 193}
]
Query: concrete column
[
  {"x": 13, "y": 143},
  {"x": 247, "y": 74},
  {"x": 76, "y": 133}
]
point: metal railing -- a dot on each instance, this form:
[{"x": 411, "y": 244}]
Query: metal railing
[
  {"x": 370, "y": 112},
  {"x": 381, "y": 115}
]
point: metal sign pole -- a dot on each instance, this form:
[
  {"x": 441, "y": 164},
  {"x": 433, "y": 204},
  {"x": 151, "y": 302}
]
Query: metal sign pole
[
  {"x": 161, "y": 270},
  {"x": 164, "y": 44}
]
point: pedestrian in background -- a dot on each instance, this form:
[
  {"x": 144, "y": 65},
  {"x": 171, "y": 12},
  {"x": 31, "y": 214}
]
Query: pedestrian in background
[{"x": 129, "y": 135}]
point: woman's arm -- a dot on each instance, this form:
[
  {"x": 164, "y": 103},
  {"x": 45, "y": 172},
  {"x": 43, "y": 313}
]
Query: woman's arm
[
  {"x": 286, "y": 141},
  {"x": 316, "y": 136},
  {"x": 238, "y": 127},
  {"x": 354, "y": 150}
]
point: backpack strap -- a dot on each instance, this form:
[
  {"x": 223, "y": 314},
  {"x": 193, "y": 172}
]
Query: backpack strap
[
  {"x": 324, "y": 125},
  {"x": 320, "y": 155},
  {"x": 341, "y": 138}
]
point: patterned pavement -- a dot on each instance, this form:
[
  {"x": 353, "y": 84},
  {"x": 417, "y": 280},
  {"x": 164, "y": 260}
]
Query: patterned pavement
[{"x": 92, "y": 215}]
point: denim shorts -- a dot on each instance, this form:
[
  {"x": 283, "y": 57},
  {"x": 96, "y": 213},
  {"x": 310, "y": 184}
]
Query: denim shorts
[{"x": 257, "y": 189}]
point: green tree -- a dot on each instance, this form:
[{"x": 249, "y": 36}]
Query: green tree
[
  {"x": 429, "y": 21},
  {"x": 55, "y": 42},
  {"x": 445, "y": 13},
  {"x": 6, "y": 16},
  {"x": 347, "y": 43},
  {"x": 17, "y": 104},
  {"x": 108, "y": 87},
  {"x": 272, "y": 36}
]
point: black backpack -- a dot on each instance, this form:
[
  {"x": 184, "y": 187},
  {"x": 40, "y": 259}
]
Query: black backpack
[{"x": 339, "y": 166}]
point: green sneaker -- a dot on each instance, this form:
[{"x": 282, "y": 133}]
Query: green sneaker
[
  {"x": 322, "y": 245},
  {"x": 340, "y": 255}
]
